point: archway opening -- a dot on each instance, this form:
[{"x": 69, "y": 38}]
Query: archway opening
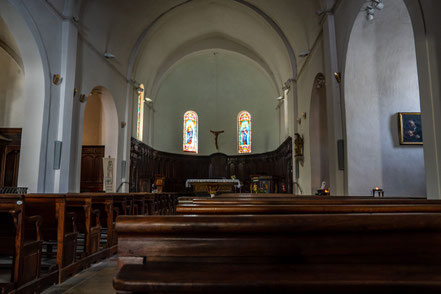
[
  {"x": 381, "y": 81},
  {"x": 100, "y": 139},
  {"x": 318, "y": 133},
  {"x": 23, "y": 92}
]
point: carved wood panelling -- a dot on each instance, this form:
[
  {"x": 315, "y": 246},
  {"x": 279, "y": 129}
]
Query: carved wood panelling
[{"x": 146, "y": 162}]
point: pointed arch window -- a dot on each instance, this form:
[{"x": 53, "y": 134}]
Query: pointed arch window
[
  {"x": 140, "y": 113},
  {"x": 190, "y": 133},
  {"x": 244, "y": 132}
]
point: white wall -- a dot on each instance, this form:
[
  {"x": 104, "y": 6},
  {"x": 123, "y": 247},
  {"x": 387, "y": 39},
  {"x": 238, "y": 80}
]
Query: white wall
[
  {"x": 217, "y": 86},
  {"x": 11, "y": 92},
  {"x": 380, "y": 80},
  {"x": 32, "y": 155},
  {"x": 312, "y": 67}
]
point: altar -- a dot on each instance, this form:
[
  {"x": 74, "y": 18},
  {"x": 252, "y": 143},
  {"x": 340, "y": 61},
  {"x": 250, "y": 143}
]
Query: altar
[{"x": 213, "y": 186}]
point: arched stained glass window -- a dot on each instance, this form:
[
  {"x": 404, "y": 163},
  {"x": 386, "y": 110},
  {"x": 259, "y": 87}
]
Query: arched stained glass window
[
  {"x": 190, "y": 132},
  {"x": 140, "y": 113},
  {"x": 244, "y": 132}
]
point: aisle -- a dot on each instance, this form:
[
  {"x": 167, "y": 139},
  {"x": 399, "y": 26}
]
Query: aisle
[{"x": 96, "y": 280}]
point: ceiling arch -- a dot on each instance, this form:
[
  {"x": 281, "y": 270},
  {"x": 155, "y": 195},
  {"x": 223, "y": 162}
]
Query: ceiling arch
[
  {"x": 122, "y": 27},
  {"x": 209, "y": 25},
  {"x": 204, "y": 43}
]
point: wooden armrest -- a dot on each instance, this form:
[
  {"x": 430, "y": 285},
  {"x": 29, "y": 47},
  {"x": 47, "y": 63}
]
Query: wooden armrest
[
  {"x": 96, "y": 212},
  {"x": 36, "y": 221},
  {"x": 73, "y": 217}
]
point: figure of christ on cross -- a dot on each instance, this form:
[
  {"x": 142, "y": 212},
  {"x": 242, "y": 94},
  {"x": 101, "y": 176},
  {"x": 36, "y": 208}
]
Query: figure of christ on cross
[{"x": 216, "y": 134}]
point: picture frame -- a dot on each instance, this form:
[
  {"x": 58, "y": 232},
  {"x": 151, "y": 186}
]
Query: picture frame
[{"x": 410, "y": 129}]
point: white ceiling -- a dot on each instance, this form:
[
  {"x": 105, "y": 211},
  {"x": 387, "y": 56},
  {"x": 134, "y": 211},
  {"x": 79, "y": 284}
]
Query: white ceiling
[{"x": 157, "y": 33}]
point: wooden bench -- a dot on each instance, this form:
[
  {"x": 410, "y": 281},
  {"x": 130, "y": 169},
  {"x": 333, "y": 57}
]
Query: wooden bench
[
  {"x": 88, "y": 225},
  {"x": 20, "y": 242},
  {"x": 58, "y": 231},
  {"x": 338, "y": 253},
  {"x": 286, "y": 205}
]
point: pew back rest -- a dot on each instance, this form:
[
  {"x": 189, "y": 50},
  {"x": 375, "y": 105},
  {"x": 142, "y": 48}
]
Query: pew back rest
[{"x": 300, "y": 239}]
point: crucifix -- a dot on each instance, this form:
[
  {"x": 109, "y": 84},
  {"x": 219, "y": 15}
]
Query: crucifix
[{"x": 216, "y": 134}]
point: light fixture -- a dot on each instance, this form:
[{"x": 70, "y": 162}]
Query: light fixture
[
  {"x": 280, "y": 98},
  {"x": 148, "y": 100},
  {"x": 337, "y": 76},
  {"x": 379, "y": 4},
  {"x": 57, "y": 79},
  {"x": 109, "y": 55},
  {"x": 373, "y": 6},
  {"x": 304, "y": 53}
]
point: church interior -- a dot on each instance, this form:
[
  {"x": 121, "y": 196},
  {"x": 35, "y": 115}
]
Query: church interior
[{"x": 213, "y": 146}]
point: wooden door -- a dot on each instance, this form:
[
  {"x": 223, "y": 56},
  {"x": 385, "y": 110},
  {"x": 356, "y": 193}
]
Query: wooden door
[{"x": 92, "y": 168}]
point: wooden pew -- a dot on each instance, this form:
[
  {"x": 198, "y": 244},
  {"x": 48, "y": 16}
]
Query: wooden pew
[
  {"x": 305, "y": 209},
  {"x": 20, "y": 243},
  {"x": 58, "y": 231},
  {"x": 312, "y": 204},
  {"x": 89, "y": 225},
  {"x": 338, "y": 253}
]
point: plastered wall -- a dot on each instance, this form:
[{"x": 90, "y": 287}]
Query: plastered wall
[
  {"x": 11, "y": 92},
  {"x": 381, "y": 80},
  {"x": 313, "y": 66}
]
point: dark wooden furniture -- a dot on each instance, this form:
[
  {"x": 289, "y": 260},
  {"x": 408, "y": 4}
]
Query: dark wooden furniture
[
  {"x": 145, "y": 163},
  {"x": 92, "y": 168},
  {"x": 10, "y": 142},
  {"x": 20, "y": 241},
  {"x": 279, "y": 204},
  {"x": 88, "y": 226},
  {"x": 58, "y": 231},
  {"x": 339, "y": 253}
]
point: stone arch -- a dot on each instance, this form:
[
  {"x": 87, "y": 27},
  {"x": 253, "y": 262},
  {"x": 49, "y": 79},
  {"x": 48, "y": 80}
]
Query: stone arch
[
  {"x": 100, "y": 123},
  {"x": 33, "y": 154},
  {"x": 380, "y": 80}
]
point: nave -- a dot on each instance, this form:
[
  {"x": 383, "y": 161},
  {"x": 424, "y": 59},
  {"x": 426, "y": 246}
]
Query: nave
[
  {"x": 264, "y": 243},
  {"x": 213, "y": 146}
]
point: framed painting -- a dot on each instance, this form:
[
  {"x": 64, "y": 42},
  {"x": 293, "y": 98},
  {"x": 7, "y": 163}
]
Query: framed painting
[{"x": 410, "y": 129}]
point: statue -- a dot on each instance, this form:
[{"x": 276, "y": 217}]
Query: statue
[{"x": 216, "y": 134}]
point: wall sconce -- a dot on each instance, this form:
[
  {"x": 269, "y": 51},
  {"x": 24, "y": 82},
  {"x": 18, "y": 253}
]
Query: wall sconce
[
  {"x": 57, "y": 79},
  {"x": 109, "y": 55},
  {"x": 337, "y": 76},
  {"x": 123, "y": 124},
  {"x": 372, "y": 7},
  {"x": 83, "y": 98}
]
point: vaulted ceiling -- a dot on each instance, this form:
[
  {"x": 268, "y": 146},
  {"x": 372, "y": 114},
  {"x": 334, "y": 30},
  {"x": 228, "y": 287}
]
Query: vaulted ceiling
[{"x": 149, "y": 36}]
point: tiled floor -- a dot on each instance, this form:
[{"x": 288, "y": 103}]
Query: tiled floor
[{"x": 97, "y": 280}]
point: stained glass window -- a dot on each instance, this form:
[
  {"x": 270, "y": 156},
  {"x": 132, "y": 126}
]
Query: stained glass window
[
  {"x": 244, "y": 132},
  {"x": 140, "y": 120},
  {"x": 190, "y": 132}
]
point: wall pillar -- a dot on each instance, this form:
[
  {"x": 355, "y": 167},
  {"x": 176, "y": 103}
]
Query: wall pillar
[
  {"x": 65, "y": 121},
  {"x": 334, "y": 105}
]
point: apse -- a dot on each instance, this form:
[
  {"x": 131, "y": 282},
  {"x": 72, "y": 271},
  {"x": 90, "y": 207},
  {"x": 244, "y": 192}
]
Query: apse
[{"x": 217, "y": 85}]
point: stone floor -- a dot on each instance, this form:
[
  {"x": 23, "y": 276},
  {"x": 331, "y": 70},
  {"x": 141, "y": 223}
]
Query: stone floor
[{"x": 97, "y": 280}]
